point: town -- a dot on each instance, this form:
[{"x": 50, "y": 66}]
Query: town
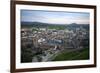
[{"x": 46, "y": 43}]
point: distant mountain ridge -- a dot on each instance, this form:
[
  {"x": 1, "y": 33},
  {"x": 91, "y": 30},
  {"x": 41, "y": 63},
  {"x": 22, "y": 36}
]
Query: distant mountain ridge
[
  {"x": 31, "y": 23},
  {"x": 39, "y": 24}
]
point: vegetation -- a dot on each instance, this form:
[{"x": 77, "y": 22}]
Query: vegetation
[
  {"x": 57, "y": 27},
  {"x": 74, "y": 55},
  {"x": 34, "y": 29},
  {"x": 26, "y": 53}
]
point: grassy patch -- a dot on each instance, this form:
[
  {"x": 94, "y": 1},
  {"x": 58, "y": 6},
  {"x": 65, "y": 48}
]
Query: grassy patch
[
  {"x": 74, "y": 55},
  {"x": 57, "y": 27}
]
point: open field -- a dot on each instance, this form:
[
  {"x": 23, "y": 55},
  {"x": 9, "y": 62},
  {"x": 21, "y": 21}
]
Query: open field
[{"x": 73, "y": 55}]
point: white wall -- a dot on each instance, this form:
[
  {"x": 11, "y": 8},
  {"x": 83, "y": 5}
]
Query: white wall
[{"x": 5, "y": 36}]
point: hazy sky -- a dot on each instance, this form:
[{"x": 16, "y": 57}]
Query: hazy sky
[{"x": 55, "y": 17}]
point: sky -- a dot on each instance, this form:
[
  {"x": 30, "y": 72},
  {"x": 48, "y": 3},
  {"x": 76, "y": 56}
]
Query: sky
[{"x": 55, "y": 17}]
